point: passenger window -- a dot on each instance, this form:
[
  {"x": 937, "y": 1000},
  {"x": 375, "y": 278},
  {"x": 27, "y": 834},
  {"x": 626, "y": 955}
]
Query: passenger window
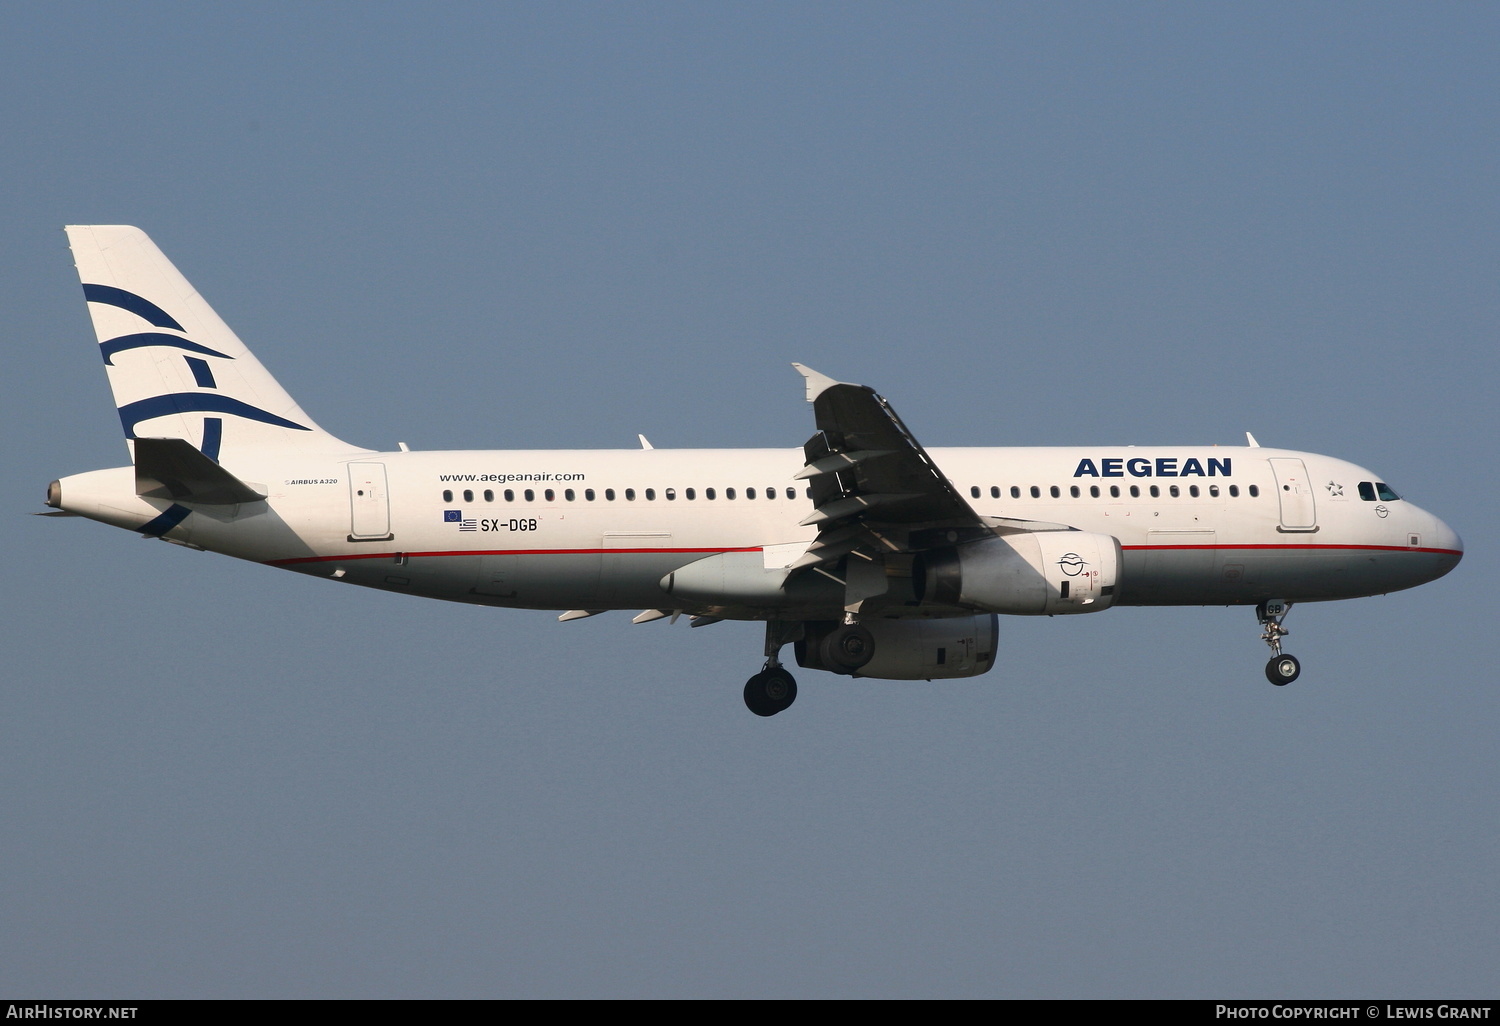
[
  {"x": 1234, "y": 491},
  {"x": 1036, "y": 493},
  {"x": 974, "y": 492},
  {"x": 1155, "y": 492},
  {"x": 568, "y": 495},
  {"x": 770, "y": 493},
  {"x": 1213, "y": 490},
  {"x": 994, "y": 491},
  {"x": 1093, "y": 491},
  {"x": 447, "y": 495},
  {"x": 489, "y": 496},
  {"x": 671, "y": 494},
  {"x": 1255, "y": 491},
  {"x": 551, "y": 495},
  {"x": 1114, "y": 491},
  {"x": 1193, "y": 490},
  {"x": 630, "y": 495},
  {"x": 791, "y": 493},
  {"x": 749, "y": 493},
  {"x": 530, "y": 495},
  {"x": 1055, "y": 492},
  {"x": 650, "y": 494},
  {"x": 510, "y": 496},
  {"x": 729, "y": 493},
  {"x": 468, "y": 495},
  {"x": 588, "y": 494},
  {"x": 1073, "y": 491},
  {"x": 709, "y": 493},
  {"x": 1135, "y": 491},
  {"x": 1015, "y": 491},
  {"x": 609, "y": 495},
  {"x": 690, "y": 494},
  {"x": 1175, "y": 491}
]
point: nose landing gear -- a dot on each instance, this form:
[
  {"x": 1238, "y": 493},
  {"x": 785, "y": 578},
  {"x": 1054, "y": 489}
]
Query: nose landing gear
[{"x": 1282, "y": 669}]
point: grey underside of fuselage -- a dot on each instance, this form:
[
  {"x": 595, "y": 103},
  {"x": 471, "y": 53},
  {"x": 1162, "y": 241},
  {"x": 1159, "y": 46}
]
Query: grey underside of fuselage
[
  {"x": 1237, "y": 576},
  {"x": 1217, "y": 576}
]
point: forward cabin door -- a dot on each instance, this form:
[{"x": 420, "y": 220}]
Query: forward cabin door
[
  {"x": 1295, "y": 492},
  {"x": 369, "y": 503}
]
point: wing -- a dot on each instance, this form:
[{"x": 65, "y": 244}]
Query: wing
[{"x": 879, "y": 498}]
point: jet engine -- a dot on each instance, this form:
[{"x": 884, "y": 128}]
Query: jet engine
[
  {"x": 1041, "y": 572},
  {"x": 961, "y": 646}
]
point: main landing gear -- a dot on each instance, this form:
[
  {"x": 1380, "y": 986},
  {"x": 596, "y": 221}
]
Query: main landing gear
[
  {"x": 770, "y": 691},
  {"x": 773, "y": 689},
  {"x": 1282, "y": 669}
]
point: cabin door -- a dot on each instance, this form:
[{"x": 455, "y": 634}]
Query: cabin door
[
  {"x": 369, "y": 503},
  {"x": 1295, "y": 492}
]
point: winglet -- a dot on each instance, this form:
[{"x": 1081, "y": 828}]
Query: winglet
[
  {"x": 1251, "y": 439},
  {"x": 816, "y": 383}
]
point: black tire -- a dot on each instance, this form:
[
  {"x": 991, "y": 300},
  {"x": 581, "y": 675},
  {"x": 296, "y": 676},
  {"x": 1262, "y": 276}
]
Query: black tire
[
  {"x": 769, "y": 692},
  {"x": 1282, "y": 670},
  {"x": 847, "y": 648}
]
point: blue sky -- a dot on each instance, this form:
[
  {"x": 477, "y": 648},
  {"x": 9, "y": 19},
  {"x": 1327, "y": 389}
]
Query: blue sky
[{"x": 557, "y": 225}]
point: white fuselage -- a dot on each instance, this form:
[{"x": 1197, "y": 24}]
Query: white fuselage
[{"x": 600, "y": 529}]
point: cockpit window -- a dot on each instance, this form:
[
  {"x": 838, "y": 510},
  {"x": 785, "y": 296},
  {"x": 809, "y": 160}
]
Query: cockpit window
[{"x": 1379, "y": 489}]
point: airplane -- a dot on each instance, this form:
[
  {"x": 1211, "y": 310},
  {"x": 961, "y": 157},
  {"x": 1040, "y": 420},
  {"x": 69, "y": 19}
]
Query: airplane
[{"x": 868, "y": 553}]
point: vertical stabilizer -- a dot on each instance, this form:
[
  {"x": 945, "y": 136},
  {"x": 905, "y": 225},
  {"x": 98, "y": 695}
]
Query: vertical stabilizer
[{"x": 176, "y": 369}]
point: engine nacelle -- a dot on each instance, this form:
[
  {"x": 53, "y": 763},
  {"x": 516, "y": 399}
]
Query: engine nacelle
[
  {"x": 1042, "y": 572},
  {"x": 961, "y": 646}
]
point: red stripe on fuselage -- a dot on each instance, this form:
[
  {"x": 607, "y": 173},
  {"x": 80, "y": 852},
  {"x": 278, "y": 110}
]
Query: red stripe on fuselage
[
  {"x": 1287, "y": 545},
  {"x": 497, "y": 552},
  {"x": 757, "y": 548}
]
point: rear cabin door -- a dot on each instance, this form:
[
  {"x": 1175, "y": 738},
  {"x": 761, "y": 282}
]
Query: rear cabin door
[
  {"x": 369, "y": 503},
  {"x": 1295, "y": 492}
]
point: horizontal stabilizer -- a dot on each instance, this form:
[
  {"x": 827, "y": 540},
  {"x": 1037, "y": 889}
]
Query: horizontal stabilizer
[{"x": 173, "y": 468}]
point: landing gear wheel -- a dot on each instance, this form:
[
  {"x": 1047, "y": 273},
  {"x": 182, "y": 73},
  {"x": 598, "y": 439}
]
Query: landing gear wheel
[
  {"x": 847, "y": 648},
  {"x": 770, "y": 691},
  {"x": 1282, "y": 670}
]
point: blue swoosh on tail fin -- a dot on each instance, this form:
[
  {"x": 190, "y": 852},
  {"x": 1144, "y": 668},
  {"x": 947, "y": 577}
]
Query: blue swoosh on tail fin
[
  {"x": 143, "y": 308},
  {"x": 132, "y": 414},
  {"x": 142, "y": 339}
]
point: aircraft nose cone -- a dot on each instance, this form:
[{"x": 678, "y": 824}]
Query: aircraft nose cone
[{"x": 1449, "y": 545}]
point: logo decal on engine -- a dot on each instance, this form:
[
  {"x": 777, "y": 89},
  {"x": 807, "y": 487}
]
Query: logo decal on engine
[{"x": 1072, "y": 564}]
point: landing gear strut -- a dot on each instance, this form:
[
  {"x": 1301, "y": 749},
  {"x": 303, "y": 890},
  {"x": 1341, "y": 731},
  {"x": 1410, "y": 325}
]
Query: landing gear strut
[
  {"x": 773, "y": 689},
  {"x": 1282, "y": 669}
]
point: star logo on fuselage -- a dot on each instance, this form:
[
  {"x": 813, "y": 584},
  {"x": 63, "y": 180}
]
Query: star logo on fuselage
[{"x": 1334, "y": 488}]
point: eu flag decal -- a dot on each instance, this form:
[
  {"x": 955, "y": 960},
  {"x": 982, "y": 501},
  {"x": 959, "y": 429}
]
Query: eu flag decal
[{"x": 453, "y": 516}]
